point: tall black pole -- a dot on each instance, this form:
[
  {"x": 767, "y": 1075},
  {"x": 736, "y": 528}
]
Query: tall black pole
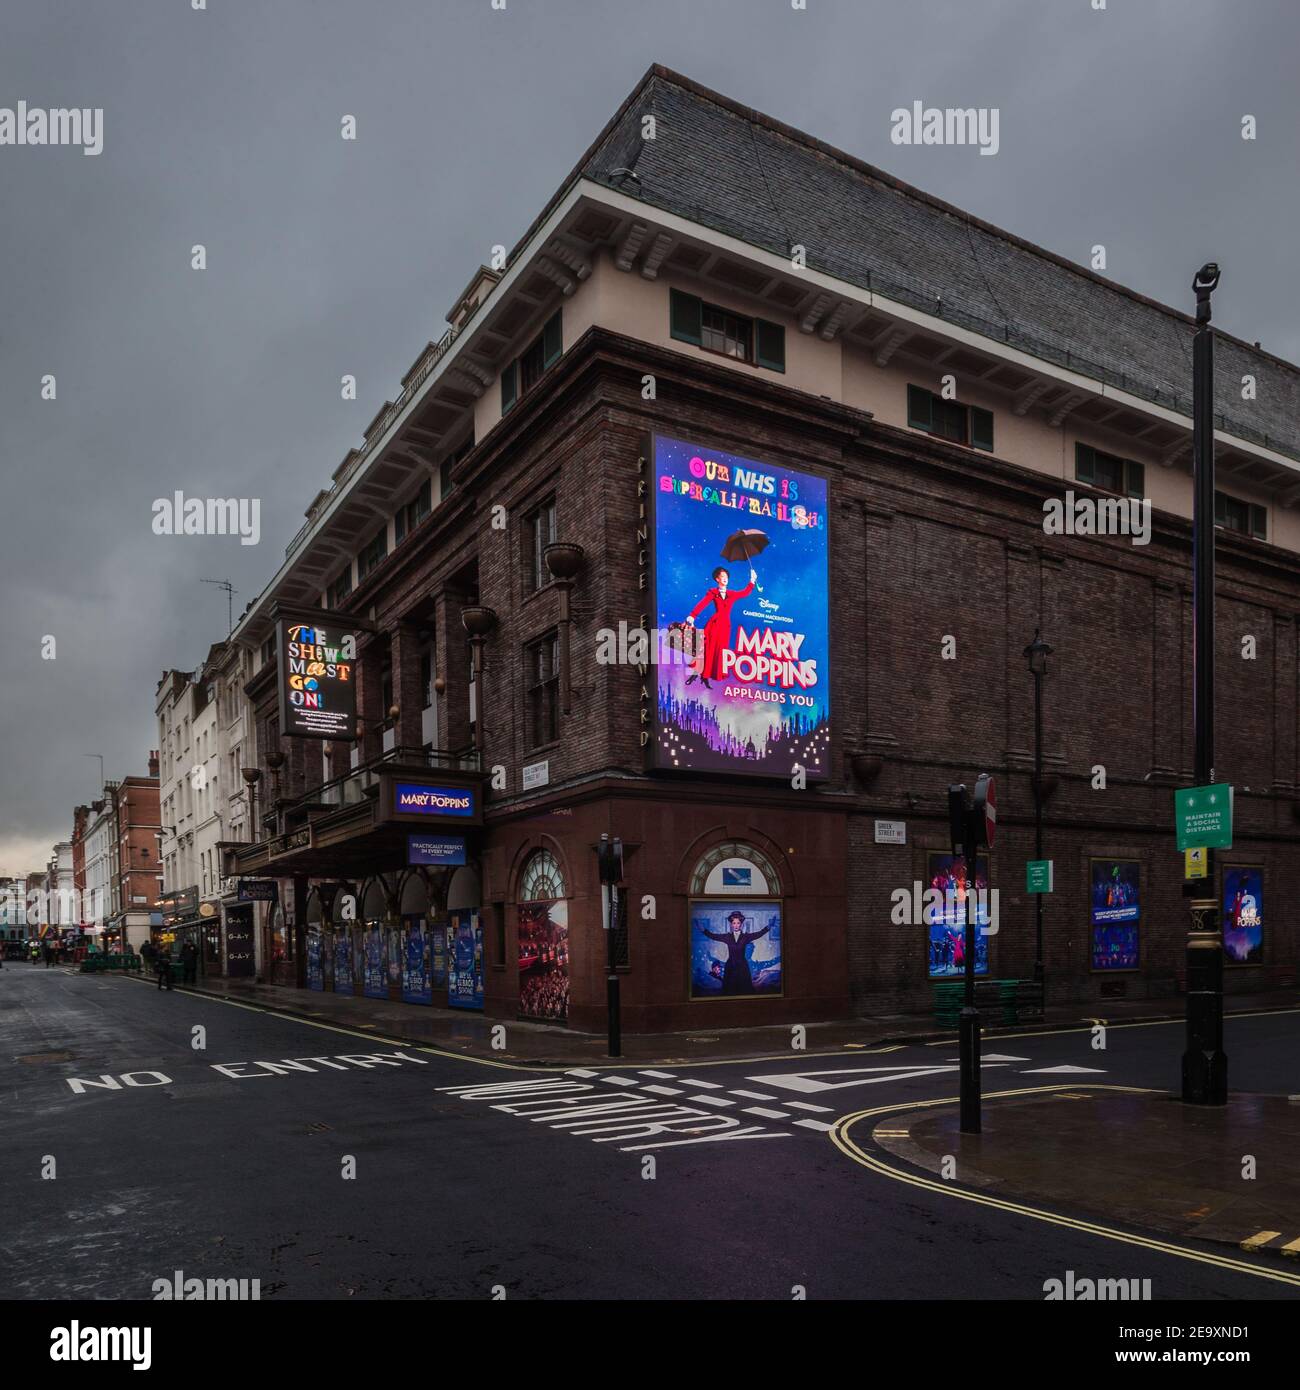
[
  {"x": 611, "y": 979},
  {"x": 968, "y": 1035},
  {"x": 1038, "y": 820},
  {"x": 1205, "y": 1066}
]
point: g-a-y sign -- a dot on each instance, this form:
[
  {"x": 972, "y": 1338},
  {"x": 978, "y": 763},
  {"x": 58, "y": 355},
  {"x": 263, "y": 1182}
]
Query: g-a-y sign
[{"x": 317, "y": 679}]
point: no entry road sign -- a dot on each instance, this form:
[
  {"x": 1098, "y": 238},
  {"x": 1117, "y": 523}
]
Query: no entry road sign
[{"x": 986, "y": 805}]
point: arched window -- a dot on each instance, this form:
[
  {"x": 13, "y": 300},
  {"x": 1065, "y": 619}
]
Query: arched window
[
  {"x": 735, "y": 868},
  {"x": 543, "y": 940},
  {"x": 541, "y": 880},
  {"x": 735, "y": 923}
]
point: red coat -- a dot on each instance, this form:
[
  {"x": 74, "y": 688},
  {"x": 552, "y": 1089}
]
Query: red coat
[{"x": 717, "y": 631}]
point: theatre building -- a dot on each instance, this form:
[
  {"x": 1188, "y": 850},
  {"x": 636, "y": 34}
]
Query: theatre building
[{"x": 717, "y": 523}]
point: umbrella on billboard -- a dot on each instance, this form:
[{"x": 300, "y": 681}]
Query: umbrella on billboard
[{"x": 744, "y": 545}]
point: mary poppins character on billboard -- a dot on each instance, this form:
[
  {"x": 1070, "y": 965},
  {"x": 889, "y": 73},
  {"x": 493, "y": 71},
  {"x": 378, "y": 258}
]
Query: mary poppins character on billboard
[{"x": 717, "y": 631}]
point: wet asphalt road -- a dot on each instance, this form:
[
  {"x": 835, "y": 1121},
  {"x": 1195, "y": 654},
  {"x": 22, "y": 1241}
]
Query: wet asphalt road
[{"x": 331, "y": 1165}]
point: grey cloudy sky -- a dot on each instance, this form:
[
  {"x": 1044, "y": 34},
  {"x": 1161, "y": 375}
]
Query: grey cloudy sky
[{"x": 324, "y": 257}]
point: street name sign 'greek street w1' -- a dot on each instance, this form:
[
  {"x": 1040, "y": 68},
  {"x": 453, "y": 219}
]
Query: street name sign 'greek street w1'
[{"x": 1203, "y": 816}]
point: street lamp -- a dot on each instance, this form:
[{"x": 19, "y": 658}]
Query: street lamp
[
  {"x": 1036, "y": 653},
  {"x": 1205, "y": 1065}
]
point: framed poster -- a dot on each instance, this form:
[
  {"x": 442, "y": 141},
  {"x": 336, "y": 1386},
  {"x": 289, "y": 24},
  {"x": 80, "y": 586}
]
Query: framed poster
[
  {"x": 438, "y": 941},
  {"x": 1115, "y": 913},
  {"x": 1243, "y": 914},
  {"x": 416, "y": 982},
  {"x": 465, "y": 972},
  {"x": 315, "y": 972},
  {"x": 735, "y": 949},
  {"x": 544, "y": 960},
  {"x": 342, "y": 961},
  {"x": 374, "y": 967},
  {"x": 944, "y": 908},
  {"x": 742, "y": 614}
]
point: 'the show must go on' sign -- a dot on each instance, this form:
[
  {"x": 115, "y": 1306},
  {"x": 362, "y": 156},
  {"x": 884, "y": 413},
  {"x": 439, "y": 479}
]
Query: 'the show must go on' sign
[{"x": 317, "y": 679}]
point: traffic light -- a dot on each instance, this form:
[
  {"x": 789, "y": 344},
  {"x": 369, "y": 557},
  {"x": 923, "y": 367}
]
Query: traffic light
[
  {"x": 610, "y": 855},
  {"x": 958, "y": 808}
]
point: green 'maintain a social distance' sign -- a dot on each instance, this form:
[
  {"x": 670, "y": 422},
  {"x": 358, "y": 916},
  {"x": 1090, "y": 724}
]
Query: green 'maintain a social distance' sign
[{"x": 1203, "y": 816}]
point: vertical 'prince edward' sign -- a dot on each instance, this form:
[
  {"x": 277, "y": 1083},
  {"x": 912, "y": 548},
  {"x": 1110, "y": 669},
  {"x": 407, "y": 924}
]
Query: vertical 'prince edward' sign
[
  {"x": 741, "y": 603},
  {"x": 317, "y": 680}
]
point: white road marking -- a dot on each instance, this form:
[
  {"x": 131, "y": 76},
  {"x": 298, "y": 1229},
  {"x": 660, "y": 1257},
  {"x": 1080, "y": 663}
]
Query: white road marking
[
  {"x": 1062, "y": 1071},
  {"x": 766, "y": 1114},
  {"x": 993, "y": 1057},
  {"x": 620, "y": 1080},
  {"x": 664, "y": 1090},
  {"x": 662, "y": 1075},
  {"x": 712, "y": 1100},
  {"x": 703, "y": 1085},
  {"x": 809, "y": 1082},
  {"x": 581, "y": 1071},
  {"x": 814, "y": 1124},
  {"x": 807, "y": 1105},
  {"x": 753, "y": 1095}
]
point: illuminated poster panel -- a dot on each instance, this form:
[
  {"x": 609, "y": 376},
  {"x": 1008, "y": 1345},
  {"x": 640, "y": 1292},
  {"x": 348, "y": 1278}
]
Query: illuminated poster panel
[
  {"x": 1115, "y": 914},
  {"x": 945, "y": 907},
  {"x": 735, "y": 949},
  {"x": 741, "y": 614},
  {"x": 1243, "y": 915},
  {"x": 317, "y": 679}
]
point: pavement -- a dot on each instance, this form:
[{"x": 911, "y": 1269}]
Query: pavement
[
  {"x": 1227, "y": 1174},
  {"x": 547, "y": 1045}
]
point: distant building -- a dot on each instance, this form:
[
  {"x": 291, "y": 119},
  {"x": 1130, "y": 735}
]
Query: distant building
[{"x": 137, "y": 872}]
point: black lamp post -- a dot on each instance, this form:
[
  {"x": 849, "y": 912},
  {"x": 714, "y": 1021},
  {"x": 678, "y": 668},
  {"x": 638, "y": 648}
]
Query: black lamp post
[
  {"x": 1205, "y": 1066},
  {"x": 1036, "y": 653}
]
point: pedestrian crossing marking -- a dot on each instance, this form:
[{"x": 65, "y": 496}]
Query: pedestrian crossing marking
[
  {"x": 664, "y": 1090},
  {"x": 703, "y": 1085},
  {"x": 1292, "y": 1247},
  {"x": 753, "y": 1095},
  {"x": 581, "y": 1071},
  {"x": 621, "y": 1080},
  {"x": 765, "y": 1113},
  {"x": 661, "y": 1075},
  {"x": 808, "y": 1105},
  {"x": 815, "y": 1124},
  {"x": 1261, "y": 1238},
  {"x": 1064, "y": 1071},
  {"x": 712, "y": 1100}
]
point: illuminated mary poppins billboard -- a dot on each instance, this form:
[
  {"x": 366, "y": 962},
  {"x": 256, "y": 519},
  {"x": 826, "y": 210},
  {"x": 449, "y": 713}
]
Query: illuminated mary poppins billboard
[
  {"x": 317, "y": 676},
  {"x": 740, "y": 592}
]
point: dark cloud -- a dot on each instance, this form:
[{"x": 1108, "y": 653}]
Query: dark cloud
[{"x": 222, "y": 127}]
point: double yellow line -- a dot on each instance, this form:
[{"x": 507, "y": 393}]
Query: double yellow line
[{"x": 840, "y": 1137}]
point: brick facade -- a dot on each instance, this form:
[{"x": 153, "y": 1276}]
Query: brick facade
[{"x": 923, "y": 548}]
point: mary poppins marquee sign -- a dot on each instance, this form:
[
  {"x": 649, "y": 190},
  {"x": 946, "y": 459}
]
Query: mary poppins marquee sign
[
  {"x": 317, "y": 684},
  {"x": 741, "y": 589}
]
